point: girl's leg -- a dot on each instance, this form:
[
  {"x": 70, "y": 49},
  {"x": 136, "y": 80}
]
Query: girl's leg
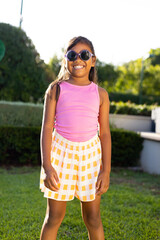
[
  {"x": 92, "y": 219},
  {"x": 54, "y": 215}
]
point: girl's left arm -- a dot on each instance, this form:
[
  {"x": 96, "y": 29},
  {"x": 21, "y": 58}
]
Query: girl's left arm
[{"x": 105, "y": 138}]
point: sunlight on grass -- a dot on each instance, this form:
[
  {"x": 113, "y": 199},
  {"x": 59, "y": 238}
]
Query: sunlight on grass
[{"x": 129, "y": 210}]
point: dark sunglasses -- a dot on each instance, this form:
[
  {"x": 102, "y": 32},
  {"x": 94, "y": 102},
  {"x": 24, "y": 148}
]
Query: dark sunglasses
[{"x": 84, "y": 55}]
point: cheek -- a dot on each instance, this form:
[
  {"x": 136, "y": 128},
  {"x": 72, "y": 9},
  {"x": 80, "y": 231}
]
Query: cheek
[{"x": 68, "y": 66}]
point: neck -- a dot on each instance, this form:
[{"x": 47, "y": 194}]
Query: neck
[{"x": 79, "y": 81}]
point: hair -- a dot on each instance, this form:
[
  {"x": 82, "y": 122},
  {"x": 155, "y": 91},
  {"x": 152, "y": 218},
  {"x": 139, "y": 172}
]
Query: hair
[{"x": 63, "y": 73}]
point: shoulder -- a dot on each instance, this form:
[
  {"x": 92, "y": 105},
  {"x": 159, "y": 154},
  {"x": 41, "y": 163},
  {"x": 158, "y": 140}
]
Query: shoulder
[
  {"x": 51, "y": 91},
  {"x": 104, "y": 97}
]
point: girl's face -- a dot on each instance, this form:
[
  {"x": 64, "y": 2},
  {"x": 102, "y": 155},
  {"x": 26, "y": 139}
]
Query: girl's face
[{"x": 82, "y": 72}]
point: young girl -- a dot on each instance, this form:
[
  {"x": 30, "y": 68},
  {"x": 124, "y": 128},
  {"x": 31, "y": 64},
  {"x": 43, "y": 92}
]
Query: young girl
[{"x": 76, "y": 160}]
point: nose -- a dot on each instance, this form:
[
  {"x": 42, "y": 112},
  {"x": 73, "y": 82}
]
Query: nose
[{"x": 78, "y": 56}]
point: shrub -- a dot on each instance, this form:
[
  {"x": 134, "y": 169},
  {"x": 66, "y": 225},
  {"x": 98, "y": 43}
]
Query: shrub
[
  {"x": 126, "y": 148},
  {"x": 21, "y": 146},
  {"x": 22, "y": 72},
  {"x": 131, "y": 108},
  {"x": 30, "y": 114},
  {"x": 20, "y": 114},
  {"x": 124, "y": 97}
]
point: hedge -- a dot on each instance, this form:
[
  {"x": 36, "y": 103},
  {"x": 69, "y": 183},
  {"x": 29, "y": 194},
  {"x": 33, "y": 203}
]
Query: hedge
[
  {"x": 126, "y": 148},
  {"x": 131, "y": 108},
  {"x": 29, "y": 114},
  {"x": 125, "y": 97},
  {"x": 20, "y": 114},
  {"x": 21, "y": 146}
]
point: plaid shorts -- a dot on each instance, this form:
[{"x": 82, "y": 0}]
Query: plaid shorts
[{"x": 77, "y": 165}]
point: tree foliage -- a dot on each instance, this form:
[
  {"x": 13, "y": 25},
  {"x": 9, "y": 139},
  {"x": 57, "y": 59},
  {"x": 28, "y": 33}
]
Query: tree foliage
[
  {"x": 25, "y": 77},
  {"x": 107, "y": 75},
  {"x": 130, "y": 74},
  {"x": 22, "y": 73},
  {"x": 155, "y": 56},
  {"x": 55, "y": 65},
  {"x": 129, "y": 77}
]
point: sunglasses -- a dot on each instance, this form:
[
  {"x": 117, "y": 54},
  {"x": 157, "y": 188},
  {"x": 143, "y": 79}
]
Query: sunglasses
[{"x": 84, "y": 55}]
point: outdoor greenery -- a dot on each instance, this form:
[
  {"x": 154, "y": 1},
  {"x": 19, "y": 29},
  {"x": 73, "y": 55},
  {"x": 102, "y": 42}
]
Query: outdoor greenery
[
  {"x": 20, "y": 114},
  {"x": 125, "y": 79},
  {"x": 21, "y": 146},
  {"x": 134, "y": 98},
  {"x": 29, "y": 114},
  {"x": 131, "y": 108},
  {"x": 129, "y": 209},
  {"x": 23, "y": 75}
]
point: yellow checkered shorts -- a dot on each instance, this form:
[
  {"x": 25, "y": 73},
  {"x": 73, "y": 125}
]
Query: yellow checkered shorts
[{"x": 77, "y": 165}]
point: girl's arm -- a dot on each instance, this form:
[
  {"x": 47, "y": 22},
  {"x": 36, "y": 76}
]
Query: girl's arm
[
  {"x": 105, "y": 138},
  {"x": 46, "y": 138}
]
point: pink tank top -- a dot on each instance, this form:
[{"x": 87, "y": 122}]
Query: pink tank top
[{"x": 77, "y": 111}]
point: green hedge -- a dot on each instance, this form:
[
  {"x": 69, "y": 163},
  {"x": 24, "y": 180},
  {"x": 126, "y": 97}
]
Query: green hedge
[
  {"x": 29, "y": 114},
  {"x": 124, "y": 97},
  {"x": 21, "y": 146},
  {"x": 126, "y": 148},
  {"x": 20, "y": 114},
  {"x": 131, "y": 108}
]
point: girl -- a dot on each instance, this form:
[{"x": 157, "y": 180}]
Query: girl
[{"x": 76, "y": 161}]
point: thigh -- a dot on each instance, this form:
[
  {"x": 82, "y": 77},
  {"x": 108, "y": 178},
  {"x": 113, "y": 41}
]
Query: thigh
[
  {"x": 91, "y": 208},
  {"x": 55, "y": 208}
]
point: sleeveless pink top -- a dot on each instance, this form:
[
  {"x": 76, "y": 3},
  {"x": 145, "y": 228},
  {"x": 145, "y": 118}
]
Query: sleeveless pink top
[{"x": 77, "y": 111}]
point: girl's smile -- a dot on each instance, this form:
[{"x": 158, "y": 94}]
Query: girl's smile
[{"x": 79, "y": 69}]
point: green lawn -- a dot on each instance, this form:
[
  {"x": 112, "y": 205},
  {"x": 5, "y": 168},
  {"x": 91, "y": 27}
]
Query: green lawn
[{"x": 130, "y": 210}]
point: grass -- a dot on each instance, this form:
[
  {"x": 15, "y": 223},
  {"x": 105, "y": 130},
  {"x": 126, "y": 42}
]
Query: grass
[{"x": 130, "y": 210}]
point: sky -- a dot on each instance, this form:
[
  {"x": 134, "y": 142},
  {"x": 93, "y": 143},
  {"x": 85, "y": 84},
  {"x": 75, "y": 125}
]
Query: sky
[{"x": 120, "y": 30}]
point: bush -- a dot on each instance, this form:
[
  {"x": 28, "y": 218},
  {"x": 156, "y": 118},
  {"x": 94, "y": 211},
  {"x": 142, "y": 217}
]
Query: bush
[
  {"x": 124, "y": 97},
  {"x": 126, "y": 148},
  {"x": 20, "y": 114},
  {"x": 30, "y": 114},
  {"x": 131, "y": 108},
  {"x": 22, "y": 72},
  {"x": 21, "y": 146}
]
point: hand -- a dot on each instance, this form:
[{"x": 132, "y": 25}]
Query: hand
[
  {"x": 102, "y": 184},
  {"x": 51, "y": 179}
]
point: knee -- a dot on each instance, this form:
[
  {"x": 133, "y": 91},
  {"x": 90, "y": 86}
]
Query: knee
[
  {"x": 54, "y": 218},
  {"x": 92, "y": 220}
]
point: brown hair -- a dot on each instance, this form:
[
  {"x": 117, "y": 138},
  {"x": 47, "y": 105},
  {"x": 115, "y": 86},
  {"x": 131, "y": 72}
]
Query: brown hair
[{"x": 63, "y": 74}]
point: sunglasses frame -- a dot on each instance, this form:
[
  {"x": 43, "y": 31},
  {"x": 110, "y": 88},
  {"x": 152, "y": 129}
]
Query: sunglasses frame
[{"x": 79, "y": 54}]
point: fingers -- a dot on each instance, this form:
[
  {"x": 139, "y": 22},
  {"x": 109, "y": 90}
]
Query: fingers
[
  {"x": 98, "y": 187},
  {"x": 101, "y": 188},
  {"x": 53, "y": 183},
  {"x": 52, "y": 180},
  {"x": 56, "y": 177},
  {"x": 49, "y": 183}
]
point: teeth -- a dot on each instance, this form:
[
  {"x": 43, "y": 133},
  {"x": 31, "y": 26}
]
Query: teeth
[{"x": 78, "y": 67}]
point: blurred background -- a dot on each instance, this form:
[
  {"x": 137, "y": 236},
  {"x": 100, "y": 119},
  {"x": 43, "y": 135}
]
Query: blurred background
[
  {"x": 126, "y": 38},
  {"x": 124, "y": 33}
]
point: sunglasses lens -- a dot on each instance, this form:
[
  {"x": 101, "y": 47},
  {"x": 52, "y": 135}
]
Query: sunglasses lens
[
  {"x": 85, "y": 55},
  {"x": 72, "y": 56}
]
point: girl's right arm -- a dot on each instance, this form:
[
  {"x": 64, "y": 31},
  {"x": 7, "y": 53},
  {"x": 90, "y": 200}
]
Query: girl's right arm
[{"x": 46, "y": 139}]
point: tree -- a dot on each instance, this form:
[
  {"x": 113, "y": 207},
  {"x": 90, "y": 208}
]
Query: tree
[
  {"x": 22, "y": 72},
  {"x": 107, "y": 75},
  {"x": 155, "y": 59},
  {"x": 55, "y": 65},
  {"x": 129, "y": 77}
]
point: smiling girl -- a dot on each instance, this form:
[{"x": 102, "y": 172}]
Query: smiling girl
[{"x": 76, "y": 157}]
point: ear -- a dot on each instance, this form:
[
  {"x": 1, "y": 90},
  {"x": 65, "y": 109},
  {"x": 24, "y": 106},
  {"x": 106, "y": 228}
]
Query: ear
[{"x": 93, "y": 61}]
